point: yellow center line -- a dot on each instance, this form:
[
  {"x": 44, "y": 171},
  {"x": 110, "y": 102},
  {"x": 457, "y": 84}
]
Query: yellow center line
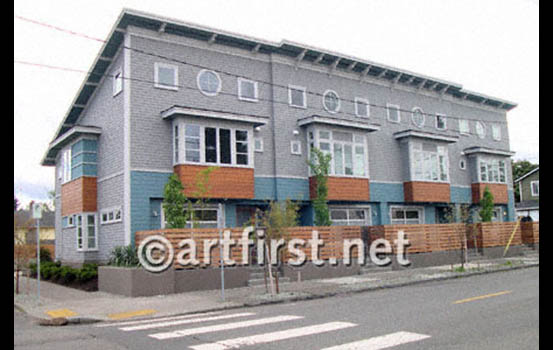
[
  {"x": 482, "y": 297},
  {"x": 60, "y": 313},
  {"x": 129, "y": 314}
]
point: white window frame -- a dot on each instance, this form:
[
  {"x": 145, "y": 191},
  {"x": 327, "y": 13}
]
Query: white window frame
[
  {"x": 207, "y": 93},
  {"x": 413, "y": 117},
  {"x": 295, "y": 144},
  {"x": 438, "y": 116},
  {"x": 84, "y": 228},
  {"x": 220, "y": 216},
  {"x": 464, "y": 122},
  {"x": 113, "y": 211},
  {"x": 66, "y": 159},
  {"x": 481, "y": 123},
  {"x": 233, "y": 141},
  {"x": 537, "y": 182},
  {"x": 426, "y": 159},
  {"x": 364, "y": 101},
  {"x": 407, "y": 208},
  {"x": 498, "y": 217},
  {"x": 70, "y": 219},
  {"x": 491, "y": 162},
  {"x": 257, "y": 140},
  {"x": 158, "y": 84},
  {"x": 298, "y": 88},
  {"x": 348, "y": 221},
  {"x": 496, "y": 132},
  {"x": 462, "y": 164},
  {"x": 177, "y": 136},
  {"x": 117, "y": 81},
  {"x": 339, "y": 100},
  {"x": 245, "y": 98},
  {"x": 388, "y": 106},
  {"x": 316, "y": 141}
]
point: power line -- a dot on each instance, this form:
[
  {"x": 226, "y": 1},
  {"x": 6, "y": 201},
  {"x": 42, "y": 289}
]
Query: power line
[
  {"x": 229, "y": 73},
  {"x": 150, "y": 82}
]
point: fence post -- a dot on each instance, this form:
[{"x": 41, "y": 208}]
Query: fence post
[{"x": 512, "y": 236}]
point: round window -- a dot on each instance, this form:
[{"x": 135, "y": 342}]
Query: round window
[
  {"x": 209, "y": 82},
  {"x": 417, "y": 117},
  {"x": 480, "y": 129},
  {"x": 331, "y": 101}
]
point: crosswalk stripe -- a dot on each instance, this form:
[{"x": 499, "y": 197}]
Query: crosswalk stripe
[
  {"x": 169, "y": 318},
  {"x": 186, "y": 321},
  {"x": 223, "y": 327},
  {"x": 381, "y": 342},
  {"x": 273, "y": 336}
]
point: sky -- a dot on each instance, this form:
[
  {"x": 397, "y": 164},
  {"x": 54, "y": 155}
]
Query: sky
[{"x": 490, "y": 47}]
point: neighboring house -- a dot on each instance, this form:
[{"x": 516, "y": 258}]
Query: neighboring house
[
  {"x": 165, "y": 97},
  {"x": 529, "y": 190},
  {"x": 25, "y": 227}
]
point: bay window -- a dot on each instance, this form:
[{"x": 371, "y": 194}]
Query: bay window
[
  {"x": 492, "y": 170},
  {"x": 429, "y": 162},
  {"x": 348, "y": 151},
  {"x": 213, "y": 145}
]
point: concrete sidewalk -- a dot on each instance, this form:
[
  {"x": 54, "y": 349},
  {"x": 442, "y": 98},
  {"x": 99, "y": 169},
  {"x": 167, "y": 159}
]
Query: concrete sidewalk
[{"x": 82, "y": 307}]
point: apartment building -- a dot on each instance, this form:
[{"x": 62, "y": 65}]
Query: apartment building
[{"x": 168, "y": 97}]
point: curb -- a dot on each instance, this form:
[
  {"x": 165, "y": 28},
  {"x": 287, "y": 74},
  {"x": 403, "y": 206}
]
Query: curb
[{"x": 89, "y": 320}]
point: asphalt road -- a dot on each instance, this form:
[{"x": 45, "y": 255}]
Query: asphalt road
[{"x": 492, "y": 311}]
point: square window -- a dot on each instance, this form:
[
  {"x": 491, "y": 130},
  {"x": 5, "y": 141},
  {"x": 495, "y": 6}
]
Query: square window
[
  {"x": 361, "y": 107},
  {"x": 441, "y": 122},
  {"x": 496, "y": 132},
  {"x": 296, "y": 96},
  {"x": 117, "y": 82},
  {"x": 393, "y": 113},
  {"x": 166, "y": 76},
  {"x": 464, "y": 127},
  {"x": 247, "y": 90},
  {"x": 258, "y": 144},
  {"x": 296, "y": 147}
]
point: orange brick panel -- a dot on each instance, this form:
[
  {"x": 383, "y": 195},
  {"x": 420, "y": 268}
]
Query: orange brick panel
[
  {"x": 343, "y": 188},
  {"x": 499, "y": 192},
  {"x": 419, "y": 191},
  {"x": 224, "y": 182},
  {"x": 79, "y": 195},
  {"x": 530, "y": 232}
]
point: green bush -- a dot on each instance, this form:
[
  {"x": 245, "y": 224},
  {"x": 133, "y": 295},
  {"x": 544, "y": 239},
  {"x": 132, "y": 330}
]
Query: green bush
[
  {"x": 45, "y": 255},
  {"x": 124, "y": 256},
  {"x": 64, "y": 274},
  {"x": 87, "y": 272},
  {"x": 68, "y": 274}
]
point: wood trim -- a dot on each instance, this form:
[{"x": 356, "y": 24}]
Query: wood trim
[
  {"x": 420, "y": 191},
  {"x": 343, "y": 188},
  {"x": 224, "y": 182}
]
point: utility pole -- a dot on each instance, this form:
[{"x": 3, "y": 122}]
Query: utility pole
[{"x": 37, "y": 214}]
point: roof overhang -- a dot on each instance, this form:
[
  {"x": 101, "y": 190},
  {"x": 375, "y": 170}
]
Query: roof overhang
[
  {"x": 177, "y": 111},
  {"x": 489, "y": 151},
  {"x": 527, "y": 174},
  {"x": 425, "y": 135},
  {"x": 315, "y": 119},
  {"x": 75, "y": 132}
]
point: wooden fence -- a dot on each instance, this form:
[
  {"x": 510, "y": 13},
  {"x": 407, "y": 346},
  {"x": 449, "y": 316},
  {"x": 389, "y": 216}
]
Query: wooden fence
[{"x": 422, "y": 239}]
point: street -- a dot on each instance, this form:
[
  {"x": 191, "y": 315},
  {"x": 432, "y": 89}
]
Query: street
[{"x": 492, "y": 311}]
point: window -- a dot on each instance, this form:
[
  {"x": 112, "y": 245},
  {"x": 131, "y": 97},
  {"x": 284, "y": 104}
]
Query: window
[
  {"x": 206, "y": 217},
  {"x": 192, "y": 143},
  {"x": 429, "y": 162},
  {"x": 462, "y": 164},
  {"x": 176, "y": 144},
  {"x": 86, "y": 230},
  {"x": 350, "y": 216},
  {"x": 492, "y": 170},
  {"x": 331, "y": 101},
  {"x": 496, "y": 132},
  {"x": 117, "y": 82},
  {"x": 208, "y": 82},
  {"x": 535, "y": 186},
  {"x": 110, "y": 215},
  {"x": 417, "y": 117},
  {"x": 441, "y": 122},
  {"x": 68, "y": 221},
  {"x": 66, "y": 166},
  {"x": 464, "y": 127},
  {"x": 497, "y": 214},
  {"x": 361, "y": 107},
  {"x": 258, "y": 144},
  {"x": 393, "y": 113},
  {"x": 242, "y": 147},
  {"x": 480, "y": 129},
  {"x": 247, "y": 90},
  {"x": 406, "y": 215},
  {"x": 166, "y": 76},
  {"x": 295, "y": 147},
  {"x": 296, "y": 96},
  {"x": 348, "y": 150}
]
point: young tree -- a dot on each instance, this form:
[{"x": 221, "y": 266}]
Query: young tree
[
  {"x": 174, "y": 203},
  {"x": 320, "y": 167},
  {"x": 486, "y": 206},
  {"x": 461, "y": 214},
  {"x": 276, "y": 221}
]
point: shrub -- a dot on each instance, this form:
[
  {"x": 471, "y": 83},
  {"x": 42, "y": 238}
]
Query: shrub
[
  {"x": 45, "y": 255},
  {"x": 124, "y": 256},
  {"x": 87, "y": 272},
  {"x": 68, "y": 274}
]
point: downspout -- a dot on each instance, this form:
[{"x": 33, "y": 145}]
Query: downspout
[{"x": 273, "y": 127}]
